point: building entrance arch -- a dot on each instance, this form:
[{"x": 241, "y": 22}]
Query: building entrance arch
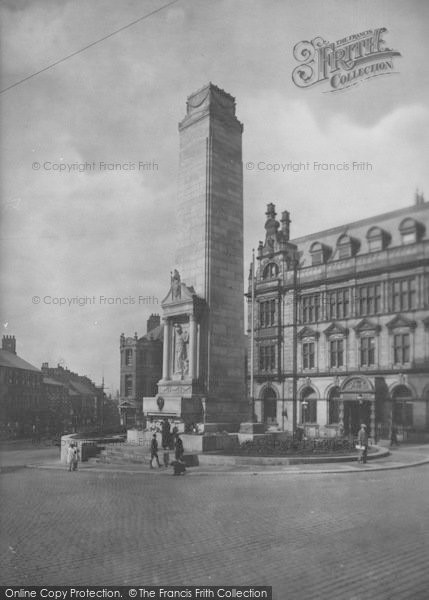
[
  {"x": 269, "y": 406},
  {"x": 402, "y": 406},
  {"x": 357, "y": 395}
]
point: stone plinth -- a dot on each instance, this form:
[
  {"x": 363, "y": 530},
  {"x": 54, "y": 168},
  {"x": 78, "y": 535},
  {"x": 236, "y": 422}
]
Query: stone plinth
[
  {"x": 189, "y": 409},
  {"x": 252, "y": 428},
  {"x": 209, "y": 442}
]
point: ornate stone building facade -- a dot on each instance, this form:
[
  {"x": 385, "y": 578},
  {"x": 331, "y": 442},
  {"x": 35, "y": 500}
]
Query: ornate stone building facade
[
  {"x": 140, "y": 370},
  {"x": 341, "y": 323}
]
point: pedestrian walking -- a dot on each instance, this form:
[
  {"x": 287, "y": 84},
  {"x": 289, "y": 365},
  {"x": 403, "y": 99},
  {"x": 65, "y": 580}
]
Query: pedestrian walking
[
  {"x": 363, "y": 444},
  {"x": 70, "y": 453},
  {"x": 393, "y": 436},
  {"x": 165, "y": 434},
  {"x": 179, "y": 448},
  {"x": 154, "y": 451},
  {"x": 72, "y": 457},
  {"x": 173, "y": 435}
]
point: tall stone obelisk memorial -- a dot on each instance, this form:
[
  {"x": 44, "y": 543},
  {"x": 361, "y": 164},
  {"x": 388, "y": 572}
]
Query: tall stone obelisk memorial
[{"x": 204, "y": 361}]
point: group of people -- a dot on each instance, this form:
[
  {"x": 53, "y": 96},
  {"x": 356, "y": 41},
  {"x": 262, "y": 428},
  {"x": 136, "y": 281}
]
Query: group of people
[
  {"x": 72, "y": 456},
  {"x": 168, "y": 440}
]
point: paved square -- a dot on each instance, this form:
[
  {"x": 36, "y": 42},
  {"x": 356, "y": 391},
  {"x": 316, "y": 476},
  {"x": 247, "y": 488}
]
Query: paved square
[{"x": 348, "y": 536}]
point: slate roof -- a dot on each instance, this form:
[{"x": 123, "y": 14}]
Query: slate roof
[{"x": 9, "y": 359}]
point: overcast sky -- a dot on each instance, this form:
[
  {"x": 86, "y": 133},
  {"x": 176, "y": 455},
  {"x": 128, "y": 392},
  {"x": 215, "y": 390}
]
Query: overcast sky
[{"x": 102, "y": 233}]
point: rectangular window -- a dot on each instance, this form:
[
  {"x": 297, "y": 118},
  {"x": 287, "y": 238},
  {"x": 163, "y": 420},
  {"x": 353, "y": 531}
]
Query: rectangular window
[
  {"x": 128, "y": 385},
  {"x": 309, "y": 411},
  {"x": 310, "y": 308},
  {"x": 128, "y": 357},
  {"x": 267, "y": 358},
  {"x": 267, "y": 313},
  {"x": 375, "y": 244},
  {"x": 345, "y": 251},
  {"x": 403, "y": 295},
  {"x": 409, "y": 238},
  {"x": 367, "y": 351},
  {"x": 338, "y": 304},
  {"x": 336, "y": 353},
  {"x": 308, "y": 361},
  {"x": 368, "y": 300},
  {"x": 316, "y": 258},
  {"x": 334, "y": 411},
  {"x": 401, "y": 348}
]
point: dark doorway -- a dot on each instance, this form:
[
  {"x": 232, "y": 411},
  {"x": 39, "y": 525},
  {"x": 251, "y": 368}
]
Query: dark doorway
[
  {"x": 355, "y": 413},
  {"x": 270, "y": 406}
]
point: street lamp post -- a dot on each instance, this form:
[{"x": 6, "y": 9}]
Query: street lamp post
[
  {"x": 295, "y": 346},
  {"x": 252, "y": 339},
  {"x": 304, "y": 405}
]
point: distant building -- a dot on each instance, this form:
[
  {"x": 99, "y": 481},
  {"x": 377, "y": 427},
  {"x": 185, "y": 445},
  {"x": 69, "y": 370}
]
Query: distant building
[
  {"x": 76, "y": 401},
  {"x": 58, "y": 405},
  {"x": 141, "y": 369},
  {"x": 358, "y": 347},
  {"x": 50, "y": 400},
  {"x": 21, "y": 392}
]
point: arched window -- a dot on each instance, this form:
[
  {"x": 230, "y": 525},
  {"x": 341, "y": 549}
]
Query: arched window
[
  {"x": 376, "y": 239},
  {"x": 308, "y": 406},
  {"x": 319, "y": 253},
  {"x": 344, "y": 246},
  {"x": 334, "y": 406},
  {"x": 410, "y": 231},
  {"x": 270, "y": 271}
]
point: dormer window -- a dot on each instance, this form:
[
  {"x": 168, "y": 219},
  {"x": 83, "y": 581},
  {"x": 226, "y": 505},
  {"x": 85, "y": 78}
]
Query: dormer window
[
  {"x": 345, "y": 247},
  {"x": 319, "y": 253},
  {"x": 376, "y": 239},
  {"x": 271, "y": 271},
  {"x": 410, "y": 231}
]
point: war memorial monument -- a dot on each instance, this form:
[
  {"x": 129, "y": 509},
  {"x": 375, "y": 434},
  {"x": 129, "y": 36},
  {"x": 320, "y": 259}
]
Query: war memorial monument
[{"x": 203, "y": 376}]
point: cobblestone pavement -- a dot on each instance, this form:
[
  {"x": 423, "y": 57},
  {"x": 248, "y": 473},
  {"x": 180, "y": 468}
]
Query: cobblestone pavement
[
  {"x": 347, "y": 536},
  {"x": 18, "y": 454}
]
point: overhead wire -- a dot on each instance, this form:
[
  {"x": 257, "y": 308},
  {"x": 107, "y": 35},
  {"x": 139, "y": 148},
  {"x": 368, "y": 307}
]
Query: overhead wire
[{"x": 102, "y": 39}]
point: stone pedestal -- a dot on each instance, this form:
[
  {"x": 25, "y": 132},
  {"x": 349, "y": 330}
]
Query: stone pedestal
[{"x": 252, "y": 428}]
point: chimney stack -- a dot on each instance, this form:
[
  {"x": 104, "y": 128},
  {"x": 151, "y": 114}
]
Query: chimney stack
[
  {"x": 285, "y": 221},
  {"x": 9, "y": 343},
  {"x": 153, "y": 321},
  {"x": 419, "y": 198}
]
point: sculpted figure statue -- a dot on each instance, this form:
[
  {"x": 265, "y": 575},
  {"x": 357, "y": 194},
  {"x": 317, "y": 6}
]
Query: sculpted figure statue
[
  {"x": 181, "y": 351},
  {"x": 175, "y": 285}
]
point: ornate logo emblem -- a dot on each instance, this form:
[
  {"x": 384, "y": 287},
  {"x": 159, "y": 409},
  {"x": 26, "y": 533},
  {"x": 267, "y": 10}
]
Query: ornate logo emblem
[
  {"x": 343, "y": 63},
  {"x": 160, "y": 402}
]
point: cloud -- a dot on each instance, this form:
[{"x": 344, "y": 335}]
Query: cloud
[
  {"x": 113, "y": 233},
  {"x": 393, "y": 150}
]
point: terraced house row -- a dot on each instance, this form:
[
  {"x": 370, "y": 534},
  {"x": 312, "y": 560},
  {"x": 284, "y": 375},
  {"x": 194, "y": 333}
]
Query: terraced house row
[
  {"x": 341, "y": 322},
  {"x": 48, "y": 401}
]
